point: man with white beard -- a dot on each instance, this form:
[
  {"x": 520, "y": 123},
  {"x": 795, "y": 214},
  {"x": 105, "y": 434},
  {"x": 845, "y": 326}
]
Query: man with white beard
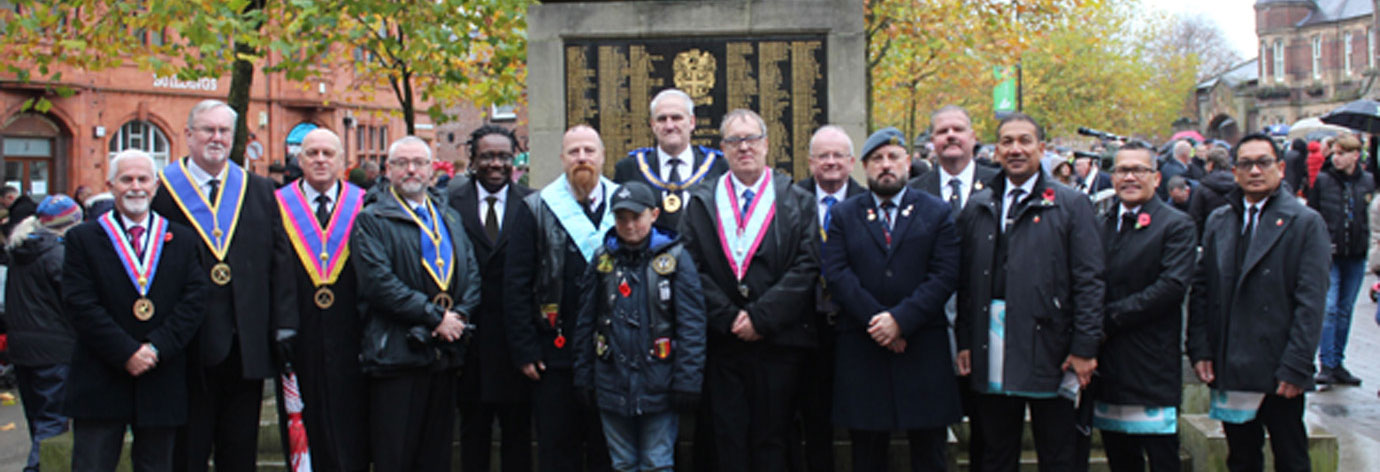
[
  {"x": 134, "y": 290},
  {"x": 251, "y": 307},
  {"x": 553, "y": 236}
]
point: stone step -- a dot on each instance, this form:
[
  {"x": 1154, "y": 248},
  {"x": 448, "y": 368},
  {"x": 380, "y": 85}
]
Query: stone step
[{"x": 1206, "y": 442}]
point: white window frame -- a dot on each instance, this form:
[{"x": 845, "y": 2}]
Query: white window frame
[
  {"x": 1279, "y": 60},
  {"x": 1317, "y": 56},
  {"x": 1370, "y": 47},
  {"x": 1264, "y": 66},
  {"x": 1346, "y": 58},
  {"x": 148, "y": 136}
]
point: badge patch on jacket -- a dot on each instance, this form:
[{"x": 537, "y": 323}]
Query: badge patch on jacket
[
  {"x": 661, "y": 348},
  {"x": 605, "y": 264},
  {"x": 664, "y": 264},
  {"x": 601, "y": 345}
]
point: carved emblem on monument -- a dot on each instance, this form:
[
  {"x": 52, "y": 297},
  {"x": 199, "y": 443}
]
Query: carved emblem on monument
[{"x": 694, "y": 73}]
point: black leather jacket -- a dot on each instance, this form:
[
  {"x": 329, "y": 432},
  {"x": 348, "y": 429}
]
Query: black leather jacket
[{"x": 395, "y": 291}]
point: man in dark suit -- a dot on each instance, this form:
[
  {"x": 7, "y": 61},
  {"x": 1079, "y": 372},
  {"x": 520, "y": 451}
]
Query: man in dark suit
[
  {"x": 831, "y": 160},
  {"x": 891, "y": 259},
  {"x": 1256, "y": 310},
  {"x": 753, "y": 239},
  {"x": 951, "y": 134},
  {"x": 1150, "y": 250},
  {"x": 135, "y": 291},
  {"x": 491, "y": 388},
  {"x": 555, "y": 232},
  {"x": 1029, "y": 302},
  {"x": 251, "y": 309},
  {"x": 319, "y": 212},
  {"x": 1091, "y": 179},
  {"x": 673, "y": 165}
]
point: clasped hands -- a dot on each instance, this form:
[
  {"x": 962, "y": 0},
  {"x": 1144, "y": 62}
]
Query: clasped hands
[
  {"x": 884, "y": 330},
  {"x": 143, "y": 359},
  {"x": 451, "y": 327}
]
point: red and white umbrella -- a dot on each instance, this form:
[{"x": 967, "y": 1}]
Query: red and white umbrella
[{"x": 298, "y": 453}]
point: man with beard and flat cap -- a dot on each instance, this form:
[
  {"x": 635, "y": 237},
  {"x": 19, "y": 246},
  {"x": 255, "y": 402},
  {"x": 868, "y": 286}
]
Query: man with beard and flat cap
[
  {"x": 251, "y": 309},
  {"x": 491, "y": 388},
  {"x": 554, "y": 235},
  {"x": 891, "y": 259},
  {"x": 319, "y": 213},
  {"x": 673, "y": 165},
  {"x": 753, "y": 237}
]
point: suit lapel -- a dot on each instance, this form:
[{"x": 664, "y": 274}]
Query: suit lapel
[
  {"x": 469, "y": 215},
  {"x": 872, "y": 220},
  {"x": 904, "y": 213},
  {"x": 1268, "y": 229},
  {"x": 509, "y": 209}
]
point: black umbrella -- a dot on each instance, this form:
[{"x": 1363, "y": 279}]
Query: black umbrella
[{"x": 1361, "y": 115}]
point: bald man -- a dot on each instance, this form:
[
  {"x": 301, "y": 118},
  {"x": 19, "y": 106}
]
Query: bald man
[{"x": 326, "y": 351}]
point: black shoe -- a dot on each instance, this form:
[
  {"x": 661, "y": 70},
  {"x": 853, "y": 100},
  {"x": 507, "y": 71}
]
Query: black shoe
[
  {"x": 1341, "y": 376},
  {"x": 1325, "y": 376}
]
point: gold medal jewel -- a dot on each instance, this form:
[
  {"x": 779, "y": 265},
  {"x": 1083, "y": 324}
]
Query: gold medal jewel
[
  {"x": 743, "y": 289},
  {"x": 324, "y": 297},
  {"x": 443, "y": 300},
  {"x": 220, "y": 273},
  {"x": 143, "y": 309},
  {"x": 605, "y": 264},
  {"x": 217, "y": 233},
  {"x": 324, "y": 257},
  {"x": 671, "y": 203},
  {"x": 664, "y": 264}
]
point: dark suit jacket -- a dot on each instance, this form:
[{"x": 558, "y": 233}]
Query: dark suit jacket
[
  {"x": 808, "y": 185},
  {"x": 1148, "y": 270},
  {"x": 1259, "y": 321},
  {"x": 911, "y": 278},
  {"x": 626, "y": 170},
  {"x": 99, "y": 298},
  {"x": 261, "y": 296},
  {"x": 1102, "y": 181},
  {"x": 930, "y": 183},
  {"x": 489, "y": 371},
  {"x": 781, "y": 279}
]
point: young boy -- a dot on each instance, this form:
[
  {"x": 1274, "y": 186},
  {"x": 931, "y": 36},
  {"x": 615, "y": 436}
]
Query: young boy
[{"x": 640, "y": 338}]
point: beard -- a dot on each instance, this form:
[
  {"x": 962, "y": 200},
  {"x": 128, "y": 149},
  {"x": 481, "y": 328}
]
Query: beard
[
  {"x": 887, "y": 188},
  {"x": 215, "y": 152},
  {"x": 583, "y": 178},
  {"x": 411, "y": 187},
  {"x": 135, "y": 202}
]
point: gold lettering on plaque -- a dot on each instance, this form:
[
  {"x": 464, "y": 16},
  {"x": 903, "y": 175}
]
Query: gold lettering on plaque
[{"x": 694, "y": 73}]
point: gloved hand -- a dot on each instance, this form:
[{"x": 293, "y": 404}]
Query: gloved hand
[
  {"x": 586, "y": 397},
  {"x": 685, "y": 402},
  {"x": 282, "y": 347}
]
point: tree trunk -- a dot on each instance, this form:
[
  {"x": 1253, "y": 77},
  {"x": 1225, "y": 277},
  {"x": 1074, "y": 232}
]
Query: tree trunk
[{"x": 241, "y": 79}]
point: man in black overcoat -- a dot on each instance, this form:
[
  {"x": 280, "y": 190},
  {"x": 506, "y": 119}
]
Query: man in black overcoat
[
  {"x": 251, "y": 307},
  {"x": 136, "y": 294},
  {"x": 491, "y": 388}
]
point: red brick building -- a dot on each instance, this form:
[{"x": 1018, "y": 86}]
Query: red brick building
[{"x": 126, "y": 108}]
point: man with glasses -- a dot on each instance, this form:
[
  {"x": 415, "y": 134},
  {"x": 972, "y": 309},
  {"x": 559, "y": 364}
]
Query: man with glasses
[
  {"x": 673, "y": 165},
  {"x": 491, "y": 387},
  {"x": 753, "y": 239},
  {"x": 251, "y": 308},
  {"x": 418, "y": 287},
  {"x": 554, "y": 235},
  {"x": 1029, "y": 302},
  {"x": 1150, "y": 251},
  {"x": 1256, "y": 310},
  {"x": 831, "y": 160}
]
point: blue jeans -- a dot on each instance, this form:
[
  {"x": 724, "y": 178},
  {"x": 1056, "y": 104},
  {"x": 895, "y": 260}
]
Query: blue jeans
[
  {"x": 1345, "y": 282},
  {"x": 41, "y": 391},
  {"x": 645, "y": 442}
]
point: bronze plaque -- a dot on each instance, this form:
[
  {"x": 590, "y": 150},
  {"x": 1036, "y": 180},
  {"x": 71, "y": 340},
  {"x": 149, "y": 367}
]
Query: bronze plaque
[{"x": 610, "y": 84}]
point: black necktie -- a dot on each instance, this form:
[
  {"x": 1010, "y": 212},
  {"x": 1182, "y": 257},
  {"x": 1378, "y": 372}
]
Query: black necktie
[
  {"x": 1128, "y": 221},
  {"x": 323, "y": 210},
  {"x": 1015, "y": 195},
  {"x": 491, "y": 218},
  {"x": 1244, "y": 244},
  {"x": 674, "y": 176},
  {"x": 215, "y": 190},
  {"x": 955, "y": 194}
]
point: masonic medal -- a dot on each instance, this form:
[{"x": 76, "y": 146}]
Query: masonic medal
[
  {"x": 143, "y": 309},
  {"x": 215, "y": 221},
  {"x": 324, "y": 298},
  {"x": 220, "y": 273},
  {"x": 664, "y": 264},
  {"x": 443, "y": 300},
  {"x": 671, "y": 203},
  {"x": 438, "y": 253}
]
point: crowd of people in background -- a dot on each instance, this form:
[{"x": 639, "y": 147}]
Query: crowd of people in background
[{"x": 596, "y": 313}]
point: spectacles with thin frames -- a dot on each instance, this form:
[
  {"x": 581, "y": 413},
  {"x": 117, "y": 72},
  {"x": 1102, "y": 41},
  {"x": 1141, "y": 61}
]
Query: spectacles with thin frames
[
  {"x": 736, "y": 140},
  {"x": 405, "y": 163},
  {"x": 214, "y": 130},
  {"x": 1247, "y": 164}
]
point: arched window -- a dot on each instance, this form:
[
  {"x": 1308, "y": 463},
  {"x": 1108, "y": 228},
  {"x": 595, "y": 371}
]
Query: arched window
[{"x": 144, "y": 136}]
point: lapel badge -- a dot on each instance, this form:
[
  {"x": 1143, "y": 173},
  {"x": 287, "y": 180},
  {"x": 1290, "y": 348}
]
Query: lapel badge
[
  {"x": 1279, "y": 222},
  {"x": 906, "y": 212},
  {"x": 977, "y": 185},
  {"x": 605, "y": 263},
  {"x": 1037, "y": 219},
  {"x": 664, "y": 264},
  {"x": 871, "y": 215}
]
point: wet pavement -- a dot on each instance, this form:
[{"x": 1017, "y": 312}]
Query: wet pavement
[{"x": 1353, "y": 413}]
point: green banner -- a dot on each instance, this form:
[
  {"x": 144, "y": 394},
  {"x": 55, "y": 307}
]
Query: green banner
[{"x": 1004, "y": 94}]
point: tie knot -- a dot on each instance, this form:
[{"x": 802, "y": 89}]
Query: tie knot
[
  {"x": 829, "y": 200},
  {"x": 421, "y": 210},
  {"x": 491, "y": 199},
  {"x": 887, "y": 205},
  {"x": 323, "y": 199},
  {"x": 136, "y": 231},
  {"x": 956, "y": 184},
  {"x": 748, "y": 194},
  {"x": 674, "y": 161},
  {"x": 1016, "y": 193}
]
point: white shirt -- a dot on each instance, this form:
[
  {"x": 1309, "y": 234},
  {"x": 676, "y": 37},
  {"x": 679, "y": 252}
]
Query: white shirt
[
  {"x": 502, "y": 198},
  {"x": 742, "y": 187},
  {"x": 839, "y": 196},
  {"x": 203, "y": 178},
  {"x": 687, "y": 159},
  {"x": 595, "y": 196},
  {"x": 1246, "y": 213},
  {"x": 1124, "y": 211},
  {"x": 1008, "y": 203},
  {"x": 311, "y": 194},
  {"x": 143, "y": 241},
  {"x": 965, "y": 185}
]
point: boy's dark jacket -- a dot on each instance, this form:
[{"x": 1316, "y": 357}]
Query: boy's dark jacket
[{"x": 630, "y": 378}]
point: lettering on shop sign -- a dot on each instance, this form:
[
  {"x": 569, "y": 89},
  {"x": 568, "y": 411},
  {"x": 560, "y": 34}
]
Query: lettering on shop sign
[{"x": 208, "y": 84}]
